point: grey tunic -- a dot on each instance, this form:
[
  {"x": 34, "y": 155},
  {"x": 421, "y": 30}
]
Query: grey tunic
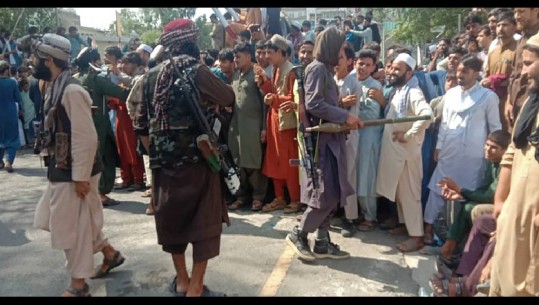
[{"x": 247, "y": 121}]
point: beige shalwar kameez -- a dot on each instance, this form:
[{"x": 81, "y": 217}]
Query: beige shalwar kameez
[
  {"x": 400, "y": 169},
  {"x": 75, "y": 224},
  {"x": 515, "y": 263}
]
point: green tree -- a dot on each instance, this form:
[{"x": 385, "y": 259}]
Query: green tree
[
  {"x": 150, "y": 37},
  {"x": 204, "y": 39},
  {"x": 17, "y": 20},
  {"x": 146, "y": 19},
  {"x": 414, "y": 25}
]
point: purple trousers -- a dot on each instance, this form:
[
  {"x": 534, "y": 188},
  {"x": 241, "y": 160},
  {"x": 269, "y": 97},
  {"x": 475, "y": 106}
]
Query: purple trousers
[{"x": 477, "y": 252}]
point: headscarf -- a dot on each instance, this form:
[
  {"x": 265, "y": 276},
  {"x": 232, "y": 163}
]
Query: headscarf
[
  {"x": 328, "y": 45},
  {"x": 175, "y": 34}
]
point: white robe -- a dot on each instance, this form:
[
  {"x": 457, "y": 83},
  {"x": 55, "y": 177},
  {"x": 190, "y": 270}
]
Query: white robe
[
  {"x": 394, "y": 154},
  {"x": 347, "y": 86},
  {"x": 468, "y": 117}
]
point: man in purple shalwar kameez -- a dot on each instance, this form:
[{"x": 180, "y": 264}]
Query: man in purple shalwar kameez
[{"x": 322, "y": 105}]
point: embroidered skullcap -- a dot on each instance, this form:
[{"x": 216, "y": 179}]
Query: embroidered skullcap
[
  {"x": 407, "y": 59},
  {"x": 179, "y": 32},
  {"x": 145, "y": 48},
  {"x": 533, "y": 41},
  {"x": 53, "y": 45},
  {"x": 279, "y": 41}
]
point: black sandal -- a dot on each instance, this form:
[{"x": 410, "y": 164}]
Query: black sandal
[
  {"x": 116, "y": 261},
  {"x": 173, "y": 286},
  {"x": 84, "y": 292}
]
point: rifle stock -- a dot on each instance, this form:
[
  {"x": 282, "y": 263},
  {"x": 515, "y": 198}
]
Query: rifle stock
[
  {"x": 307, "y": 153},
  {"x": 209, "y": 146}
]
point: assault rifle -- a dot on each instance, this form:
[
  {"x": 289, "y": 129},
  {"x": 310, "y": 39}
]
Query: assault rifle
[
  {"x": 217, "y": 154},
  {"x": 307, "y": 152}
]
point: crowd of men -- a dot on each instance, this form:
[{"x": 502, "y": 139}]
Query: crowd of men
[{"x": 263, "y": 82}]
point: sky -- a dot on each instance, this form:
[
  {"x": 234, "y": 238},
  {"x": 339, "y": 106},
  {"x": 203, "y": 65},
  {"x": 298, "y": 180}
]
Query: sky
[{"x": 101, "y": 18}]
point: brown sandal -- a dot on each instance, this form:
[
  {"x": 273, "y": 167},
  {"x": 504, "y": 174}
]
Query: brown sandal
[
  {"x": 276, "y": 204},
  {"x": 257, "y": 205},
  {"x": 367, "y": 225},
  {"x": 116, "y": 261},
  {"x": 293, "y": 207},
  {"x": 82, "y": 292},
  {"x": 409, "y": 245},
  {"x": 236, "y": 205}
]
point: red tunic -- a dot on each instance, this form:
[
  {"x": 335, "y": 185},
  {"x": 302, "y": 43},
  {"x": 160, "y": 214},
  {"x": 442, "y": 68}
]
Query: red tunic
[
  {"x": 281, "y": 145},
  {"x": 125, "y": 136}
]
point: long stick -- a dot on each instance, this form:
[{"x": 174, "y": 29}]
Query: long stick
[
  {"x": 17, "y": 22},
  {"x": 396, "y": 120},
  {"x": 335, "y": 128},
  {"x": 223, "y": 21}
]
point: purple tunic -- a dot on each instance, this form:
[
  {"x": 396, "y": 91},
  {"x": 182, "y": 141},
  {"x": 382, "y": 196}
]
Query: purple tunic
[{"x": 321, "y": 103}]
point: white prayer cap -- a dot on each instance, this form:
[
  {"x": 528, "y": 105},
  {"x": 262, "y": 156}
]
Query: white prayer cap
[
  {"x": 407, "y": 59},
  {"x": 145, "y": 48},
  {"x": 432, "y": 48}
]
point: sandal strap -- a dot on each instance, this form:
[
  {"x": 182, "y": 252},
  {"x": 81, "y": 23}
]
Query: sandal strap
[
  {"x": 114, "y": 260},
  {"x": 79, "y": 292}
]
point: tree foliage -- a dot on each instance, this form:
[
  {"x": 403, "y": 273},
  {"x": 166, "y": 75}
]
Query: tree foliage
[
  {"x": 149, "y": 23},
  {"x": 414, "y": 25},
  {"x": 18, "y": 19}
]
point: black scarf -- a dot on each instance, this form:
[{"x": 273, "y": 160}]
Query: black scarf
[{"x": 525, "y": 124}]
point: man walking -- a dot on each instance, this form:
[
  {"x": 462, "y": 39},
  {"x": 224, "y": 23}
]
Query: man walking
[
  {"x": 70, "y": 208},
  {"x": 321, "y": 103}
]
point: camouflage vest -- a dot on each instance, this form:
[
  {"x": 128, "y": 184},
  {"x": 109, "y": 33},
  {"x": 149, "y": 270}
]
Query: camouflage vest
[{"x": 175, "y": 147}]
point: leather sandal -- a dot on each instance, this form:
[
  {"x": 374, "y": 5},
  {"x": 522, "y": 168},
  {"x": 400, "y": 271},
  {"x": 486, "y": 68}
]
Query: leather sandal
[
  {"x": 293, "y": 207},
  {"x": 82, "y": 292},
  {"x": 257, "y": 205},
  {"x": 276, "y": 204},
  {"x": 367, "y": 225},
  {"x": 236, "y": 205},
  {"x": 116, "y": 261},
  {"x": 410, "y": 245}
]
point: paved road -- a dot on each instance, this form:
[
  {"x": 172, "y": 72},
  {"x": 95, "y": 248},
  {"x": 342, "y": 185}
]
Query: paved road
[{"x": 254, "y": 260}]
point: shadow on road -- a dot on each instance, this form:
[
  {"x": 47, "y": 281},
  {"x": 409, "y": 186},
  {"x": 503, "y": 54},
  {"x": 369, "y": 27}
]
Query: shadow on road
[
  {"x": 383, "y": 271},
  {"x": 9, "y": 238},
  {"x": 133, "y": 207},
  {"x": 255, "y": 224}
]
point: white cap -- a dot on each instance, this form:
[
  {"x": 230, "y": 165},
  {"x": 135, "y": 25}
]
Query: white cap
[
  {"x": 145, "y": 48},
  {"x": 432, "y": 48},
  {"x": 407, "y": 59}
]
